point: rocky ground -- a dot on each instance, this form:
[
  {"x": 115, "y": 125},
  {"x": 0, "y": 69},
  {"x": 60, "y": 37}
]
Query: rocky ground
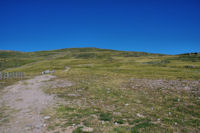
[
  {"x": 24, "y": 105},
  {"x": 165, "y": 84}
]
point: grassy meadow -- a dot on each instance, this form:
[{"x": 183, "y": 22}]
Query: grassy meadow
[{"x": 117, "y": 91}]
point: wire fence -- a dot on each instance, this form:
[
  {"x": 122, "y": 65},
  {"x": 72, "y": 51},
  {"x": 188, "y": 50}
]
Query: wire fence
[{"x": 11, "y": 75}]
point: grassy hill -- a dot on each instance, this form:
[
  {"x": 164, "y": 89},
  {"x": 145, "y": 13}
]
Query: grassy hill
[
  {"x": 15, "y": 58},
  {"x": 137, "y": 64},
  {"x": 126, "y": 91}
]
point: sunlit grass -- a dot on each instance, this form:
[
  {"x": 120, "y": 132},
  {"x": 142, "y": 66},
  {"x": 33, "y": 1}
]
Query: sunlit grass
[{"x": 106, "y": 100}]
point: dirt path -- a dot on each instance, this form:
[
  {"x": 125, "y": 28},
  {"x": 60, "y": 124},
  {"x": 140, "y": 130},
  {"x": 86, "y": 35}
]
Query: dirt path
[{"x": 27, "y": 100}]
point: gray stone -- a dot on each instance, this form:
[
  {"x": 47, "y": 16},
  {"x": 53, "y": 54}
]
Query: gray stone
[{"x": 38, "y": 126}]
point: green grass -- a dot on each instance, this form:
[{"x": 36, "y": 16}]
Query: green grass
[
  {"x": 78, "y": 130},
  {"x": 105, "y": 117},
  {"x": 107, "y": 101}
]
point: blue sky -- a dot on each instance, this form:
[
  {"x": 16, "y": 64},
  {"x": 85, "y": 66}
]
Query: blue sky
[{"x": 156, "y": 26}]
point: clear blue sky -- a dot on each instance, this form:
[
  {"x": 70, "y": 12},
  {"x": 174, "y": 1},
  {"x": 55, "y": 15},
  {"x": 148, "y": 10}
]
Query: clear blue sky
[{"x": 157, "y": 26}]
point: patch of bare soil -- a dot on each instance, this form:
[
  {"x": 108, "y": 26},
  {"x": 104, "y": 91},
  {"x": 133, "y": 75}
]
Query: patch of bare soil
[{"x": 28, "y": 101}]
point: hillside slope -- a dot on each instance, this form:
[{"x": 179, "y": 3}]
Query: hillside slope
[
  {"x": 137, "y": 64},
  {"x": 9, "y": 59},
  {"x": 114, "y": 91}
]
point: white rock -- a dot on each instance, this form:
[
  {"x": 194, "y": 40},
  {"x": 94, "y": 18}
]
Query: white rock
[
  {"x": 47, "y": 117},
  {"x": 140, "y": 115},
  {"x": 87, "y": 129},
  {"x": 127, "y": 104}
]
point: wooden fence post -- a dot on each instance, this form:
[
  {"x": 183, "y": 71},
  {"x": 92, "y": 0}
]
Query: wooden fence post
[
  {"x": 11, "y": 74},
  {"x": 19, "y": 75},
  {"x": 15, "y": 75},
  {"x": 7, "y": 75},
  {"x": 3, "y": 75},
  {"x": 23, "y": 74}
]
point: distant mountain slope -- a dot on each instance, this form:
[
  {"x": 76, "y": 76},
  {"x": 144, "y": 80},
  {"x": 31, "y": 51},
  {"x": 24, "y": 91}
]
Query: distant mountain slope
[
  {"x": 10, "y": 59},
  {"x": 138, "y": 64}
]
